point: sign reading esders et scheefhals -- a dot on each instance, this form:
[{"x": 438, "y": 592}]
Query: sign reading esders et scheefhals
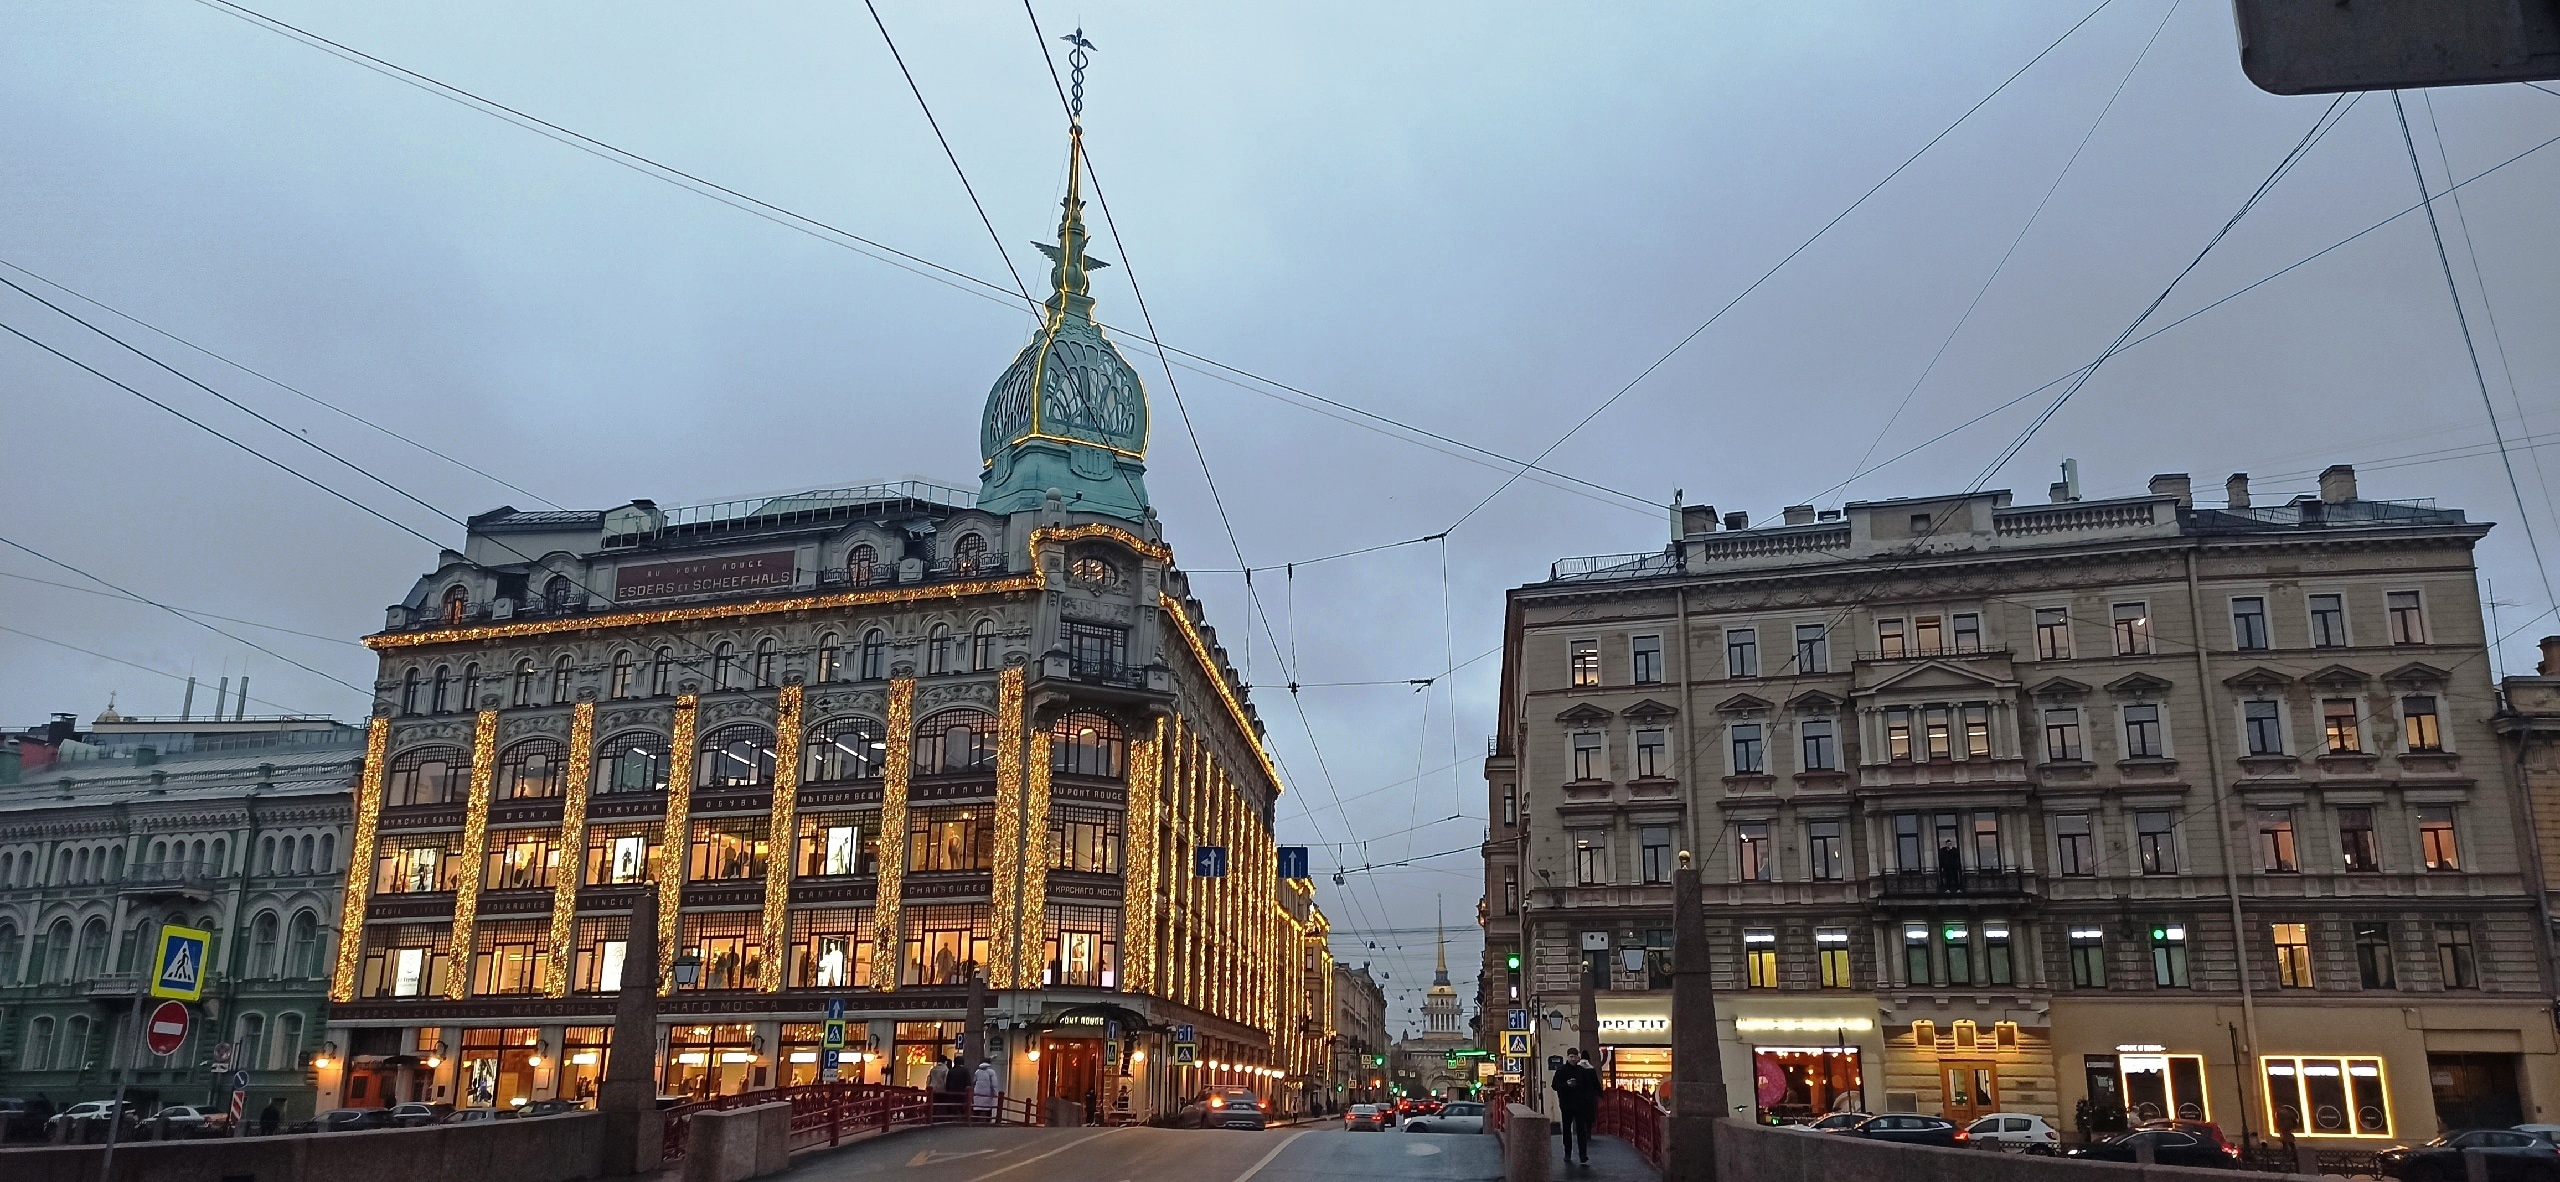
[{"x": 645, "y": 581}]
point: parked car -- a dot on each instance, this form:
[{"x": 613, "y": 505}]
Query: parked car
[
  {"x": 2015, "y": 1132},
  {"x": 2549, "y": 1133},
  {"x": 415, "y": 1116},
  {"x": 465, "y": 1116},
  {"x": 1365, "y": 1118},
  {"x": 1224, "y": 1108},
  {"x": 188, "y": 1121},
  {"x": 1457, "y": 1116},
  {"x": 82, "y": 1117},
  {"x": 1909, "y": 1129},
  {"x": 2188, "y": 1143},
  {"x": 2512, "y": 1155},
  {"x": 18, "y": 1121},
  {"x": 351, "y": 1120},
  {"x": 1838, "y": 1122},
  {"x": 553, "y": 1107}
]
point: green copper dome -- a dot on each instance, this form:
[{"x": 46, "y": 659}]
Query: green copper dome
[{"x": 1069, "y": 413}]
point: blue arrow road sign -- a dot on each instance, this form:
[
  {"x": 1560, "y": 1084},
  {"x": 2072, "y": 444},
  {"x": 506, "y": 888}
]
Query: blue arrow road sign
[
  {"x": 1209, "y": 861},
  {"x": 1185, "y": 1033},
  {"x": 1293, "y": 861},
  {"x": 835, "y": 1007}
]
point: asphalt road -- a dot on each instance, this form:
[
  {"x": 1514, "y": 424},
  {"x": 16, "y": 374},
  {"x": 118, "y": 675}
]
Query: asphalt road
[{"x": 1317, "y": 1153}]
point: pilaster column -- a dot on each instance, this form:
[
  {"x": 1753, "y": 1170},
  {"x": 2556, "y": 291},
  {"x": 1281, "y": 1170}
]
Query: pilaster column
[
  {"x": 676, "y": 838},
  {"x": 779, "y": 862},
  {"x": 1004, "y": 895},
  {"x": 360, "y": 855},
  {"x": 475, "y": 850},
  {"x": 572, "y": 871},
  {"x": 888, "y": 944},
  {"x": 1138, "y": 909}
]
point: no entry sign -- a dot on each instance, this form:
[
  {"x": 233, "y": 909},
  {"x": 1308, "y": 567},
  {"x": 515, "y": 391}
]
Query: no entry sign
[{"x": 167, "y": 1030}]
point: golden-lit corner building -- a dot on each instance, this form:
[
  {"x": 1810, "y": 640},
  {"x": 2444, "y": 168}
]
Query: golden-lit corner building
[{"x": 863, "y": 743}]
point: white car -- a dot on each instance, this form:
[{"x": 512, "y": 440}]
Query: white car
[
  {"x": 2014, "y": 1132},
  {"x": 1457, "y": 1116}
]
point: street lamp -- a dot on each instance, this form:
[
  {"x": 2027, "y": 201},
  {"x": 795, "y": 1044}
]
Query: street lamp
[
  {"x": 688, "y": 969},
  {"x": 1555, "y": 1019}
]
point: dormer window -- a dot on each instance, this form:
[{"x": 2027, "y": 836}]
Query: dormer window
[
  {"x": 969, "y": 554},
  {"x": 862, "y": 565},
  {"x": 1092, "y": 570},
  {"x": 457, "y": 602},
  {"x": 560, "y": 594}
]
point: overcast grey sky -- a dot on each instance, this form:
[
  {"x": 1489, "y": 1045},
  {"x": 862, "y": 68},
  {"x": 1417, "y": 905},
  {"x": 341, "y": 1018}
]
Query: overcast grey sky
[{"x": 1481, "y": 220}]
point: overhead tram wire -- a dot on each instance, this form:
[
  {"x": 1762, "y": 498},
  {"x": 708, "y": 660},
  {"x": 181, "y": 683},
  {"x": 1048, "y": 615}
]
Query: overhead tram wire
[
  {"x": 278, "y": 383},
  {"x": 90, "y": 652},
  {"x": 2471, "y": 349},
  {"x": 1781, "y": 264},
  {"x": 953, "y": 157},
  {"x": 187, "y": 611}
]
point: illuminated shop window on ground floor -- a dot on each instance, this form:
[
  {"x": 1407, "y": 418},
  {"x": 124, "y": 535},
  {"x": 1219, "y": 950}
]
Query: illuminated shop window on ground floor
[{"x": 2314, "y": 1096}]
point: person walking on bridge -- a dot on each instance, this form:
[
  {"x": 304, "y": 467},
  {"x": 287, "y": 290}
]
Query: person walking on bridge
[{"x": 1577, "y": 1086}]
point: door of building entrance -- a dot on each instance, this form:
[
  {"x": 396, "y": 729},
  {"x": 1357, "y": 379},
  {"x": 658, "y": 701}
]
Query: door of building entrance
[
  {"x": 1071, "y": 1069},
  {"x": 1973, "y": 1088}
]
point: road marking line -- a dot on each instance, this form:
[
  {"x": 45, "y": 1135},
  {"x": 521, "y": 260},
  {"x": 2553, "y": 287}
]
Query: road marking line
[
  {"x": 1052, "y": 1153},
  {"x": 1247, "y": 1176}
]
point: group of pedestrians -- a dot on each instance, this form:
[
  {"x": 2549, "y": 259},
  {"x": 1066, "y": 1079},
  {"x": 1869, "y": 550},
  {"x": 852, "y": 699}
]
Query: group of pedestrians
[
  {"x": 1578, "y": 1086},
  {"x": 956, "y": 1090}
]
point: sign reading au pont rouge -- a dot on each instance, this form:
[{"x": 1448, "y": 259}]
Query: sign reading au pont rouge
[{"x": 642, "y": 582}]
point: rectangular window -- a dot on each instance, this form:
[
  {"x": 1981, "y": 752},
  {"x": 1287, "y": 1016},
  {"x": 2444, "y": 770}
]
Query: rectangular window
[
  {"x": 2275, "y": 842},
  {"x": 948, "y": 839},
  {"x": 1941, "y": 742},
  {"x": 621, "y": 853},
  {"x": 1928, "y": 636},
  {"x": 1977, "y": 732},
  {"x": 521, "y": 859},
  {"x": 2249, "y": 623},
  {"x": 1584, "y": 663},
  {"x": 1915, "y": 954},
  {"x": 1653, "y": 842},
  {"x": 1591, "y": 857},
  {"x": 2155, "y": 840},
  {"x": 832, "y": 948},
  {"x": 2339, "y": 726},
  {"x": 2265, "y": 723},
  {"x": 2053, "y": 634},
  {"x": 2169, "y": 956},
  {"x": 1831, "y": 947},
  {"x": 2453, "y": 956},
  {"x": 842, "y": 844},
  {"x": 2408, "y": 623},
  {"x": 2142, "y": 731},
  {"x": 2374, "y": 968},
  {"x": 1755, "y": 858},
  {"x": 1986, "y": 841},
  {"x": 1908, "y": 852},
  {"x": 2062, "y": 735},
  {"x": 1897, "y": 734},
  {"x": 2089, "y": 958},
  {"x": 1998, "y": 967},
  {"x": 1651, "y": 747},
  {"x": 2326, "y": 1097},
  {"x": 2293, "y": 954},
  {"x": 1084, "y": 840},
  {"x": 1747, "y": 749},
  {"x": 1968, "y": 632},
  {"x": 1959, "y": 953},
  {"x": 1890, "y": 639},
  {"x": 2328, "y": 621},
  {"x": 1813, "y": 648},
  {"x": 1644, "y": 659},
  {"x": 2355, "y": 841},
  {"x": 2133, "y": 629},
  {"x": 1586, "y": 755},
  {"x": 1827, "y": 849},
  {"x": 944, "y": 944},
  {"x": 1760, "y": 957},
  {"x": 2435, "y": 838},
  {"x": 727, "y": 850},
  {"x": 2075, "y": 853},
  {"x": 1511, "y": 890},
  {"x": 1821, "y": 745},
  {"x": 1510, "y": 805},
  {"x": 2418, "y": 726},
  {"x": 1742, "y": 652}
]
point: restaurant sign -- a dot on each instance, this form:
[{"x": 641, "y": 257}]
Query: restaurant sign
[{"x": 725, "y": 574}]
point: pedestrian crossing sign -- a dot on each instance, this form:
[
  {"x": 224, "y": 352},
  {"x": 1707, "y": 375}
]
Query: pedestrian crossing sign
[
  {"x": 178, "y": 972},
  {"x": 833, "y": 1038},
  {"x": 1185, "y": 1054},
  {"x": 1515, "y": 1044}
]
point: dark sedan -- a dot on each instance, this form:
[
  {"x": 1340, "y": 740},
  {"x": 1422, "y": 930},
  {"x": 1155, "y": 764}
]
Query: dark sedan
[
  {"x": 1224, "y": 1108},
  {"x": 2186, "y": 1146},
  {"x": 2511, "y": 1156},
  {"x": 1908, "y": 1129}
]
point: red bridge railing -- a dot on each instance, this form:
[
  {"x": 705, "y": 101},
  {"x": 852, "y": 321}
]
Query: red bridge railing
[
  {"x": 832, "y": 1113},
  {"x": 1634, "y": 1118}
]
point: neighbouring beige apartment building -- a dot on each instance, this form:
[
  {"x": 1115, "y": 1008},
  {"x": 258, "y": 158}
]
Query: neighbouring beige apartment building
[{"x": 2191, "y": 811}]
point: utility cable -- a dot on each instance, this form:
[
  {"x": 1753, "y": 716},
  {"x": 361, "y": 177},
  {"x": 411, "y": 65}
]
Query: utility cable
[
  {"x": 90, "y": 652},
  {"x": 952, "y": 156},
  {"x": 187, "y": 611}
]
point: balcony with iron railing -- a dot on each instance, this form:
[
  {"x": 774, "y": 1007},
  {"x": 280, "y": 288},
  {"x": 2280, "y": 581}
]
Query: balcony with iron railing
[
  {"x": 1991, "y": 884},
  {"x": 172, "y": 877}
]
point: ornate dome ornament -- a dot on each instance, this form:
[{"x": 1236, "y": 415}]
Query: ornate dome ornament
[{"x": 1070, "y": 413}]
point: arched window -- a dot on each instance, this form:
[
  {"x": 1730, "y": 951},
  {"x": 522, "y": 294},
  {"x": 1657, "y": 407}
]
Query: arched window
[
  {"x": 862, "y": 565},
  {"x": 57, "y": 952},
  {"x": 8, "y": 953},
  {"x": 302, "y": 863},
  {"x": 437, "y": 699},
  {"x": 253, "y": 1039},
  {"x": 530, "y": 768},
  {"x": 560, "y": 680},
  {"x": 1088, "y": 745},
  {"x": 93, "y": 950},
  {"x": 409, "y": 692},
  {"x": 266, "y": 939},
  {"x": 140, "y": 945},
  {"x": 560, "y": 594},
  {"x": 457, "y": 603},
  {"x": 199, "y": 860},
  {"x": 115, "y": 862},
  {"x": 39, "y": 1053},
  {"x": 620, "y": 685},
  {"x": 969, "y": 555},
  {"x": 328, "y": 854},
  {"x": 80, "y": 866},
  {"x": 768, "y": 663},
  {"x": 288, "y": 1052},
  {"x": 662, "y": 673},
  {"x": 159, "y": 853},
  {"x": 525, "y": 680},
  {"x": 956, "y": 741},
  {"x": 937, "y": 651},
  {"x": 302, "y": 958},
  {"x": 844, "y": 749},
  {"x": 427, "y": 775},
  {"x": 875, "y": 656},
  {"x": 982, "y": 646},
  {"x": 739, "y": 755},
  {"x": 266, "y": 855},
  {"x": 830, "y": 660},
  {"x": 471, "y": 686},
  {"x": 633, "y": 761},
  {"x": 75, "y": 1044},
  {"x": 8, "y": 869},
  {"x": 724, "y": 666}
]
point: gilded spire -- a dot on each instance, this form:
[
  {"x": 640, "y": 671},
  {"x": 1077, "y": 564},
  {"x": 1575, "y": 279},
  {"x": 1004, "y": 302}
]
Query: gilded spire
[{"x": 1070, "y": 286}]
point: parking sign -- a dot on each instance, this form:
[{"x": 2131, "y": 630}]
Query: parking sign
[{"x": 178, "y": 972}]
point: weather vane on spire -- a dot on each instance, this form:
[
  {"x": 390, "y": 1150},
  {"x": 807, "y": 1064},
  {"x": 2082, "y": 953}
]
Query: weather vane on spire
[{"x": 1076, "y": 59}]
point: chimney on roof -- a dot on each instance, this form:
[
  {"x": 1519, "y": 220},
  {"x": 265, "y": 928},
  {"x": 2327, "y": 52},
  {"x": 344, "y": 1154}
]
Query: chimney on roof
[
  {"x": 2337, "y": 484},
  {"x": 221, "y": 694},
  {"x": 1679, "y": 518},
  {"x": 1799, "y": 515},
  {"x": 1737, "y": 520},
  {"x": 240, "y": 709},
  {"x": 2550, "y": 664},
  {"x": 2174, "y": 484},
  {"x": 1697, "y": 519},
  {"x": 2235, "y": 491},
  {"x": 187, "y": 705}
]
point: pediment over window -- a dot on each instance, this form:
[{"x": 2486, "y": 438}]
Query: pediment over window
[
  {"x": 2337, "y": 677},
  {"x": 1585, "y": 714},
  {"x": 2138, "y": 685},
  {"x": 2257, "y": 677},
  {"x": 2059, "y": 687},
  {"x": 1940, "y": 677},
  {"x": 1649, "y": 710},
  {"x": 2416, "y": 673},
  {"x": 1744, "y": 704},
  {"x": 1814, "y": 702}
]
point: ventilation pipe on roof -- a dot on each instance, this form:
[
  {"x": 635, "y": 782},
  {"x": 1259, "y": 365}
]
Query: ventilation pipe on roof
[
  {"x": 1799, "y": 515},
  {"x": 221, "y": 695},
  {"x": 2174, "y": 484},
  {"x": 187, "y": 705},
  {"x": 1697, "y": 519},
  {"x": 2337, "y": 484},
  {"x": 2235, "y": 491},
  {"x": 1737, "y": 520},
  {"x": 240, "y": 708},
  {"x": 2550, "y": 657}
]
